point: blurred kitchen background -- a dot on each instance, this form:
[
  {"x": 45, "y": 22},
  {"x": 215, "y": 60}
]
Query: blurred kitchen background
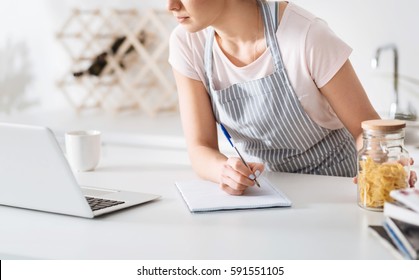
[{"x": 33, "y": 59}]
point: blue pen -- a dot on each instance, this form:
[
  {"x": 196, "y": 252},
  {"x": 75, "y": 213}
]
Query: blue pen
[{"x": 227, "y": 135}]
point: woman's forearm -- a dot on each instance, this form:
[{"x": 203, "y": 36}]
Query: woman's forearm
[{"x": 207, "y": 162}]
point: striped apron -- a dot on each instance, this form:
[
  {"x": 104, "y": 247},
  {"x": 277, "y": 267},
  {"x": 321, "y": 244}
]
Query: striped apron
[{"x": 267, "y": 122}]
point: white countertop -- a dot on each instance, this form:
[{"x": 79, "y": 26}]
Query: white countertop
[{"x": 323, "y": 223}]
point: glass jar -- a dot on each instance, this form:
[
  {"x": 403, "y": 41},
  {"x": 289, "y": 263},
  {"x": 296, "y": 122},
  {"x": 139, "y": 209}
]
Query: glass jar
[{"x": 383, "y": 163}]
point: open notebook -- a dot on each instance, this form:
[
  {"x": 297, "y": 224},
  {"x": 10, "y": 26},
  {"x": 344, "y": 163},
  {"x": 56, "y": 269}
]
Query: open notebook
[{"x": 204, "y": 196}]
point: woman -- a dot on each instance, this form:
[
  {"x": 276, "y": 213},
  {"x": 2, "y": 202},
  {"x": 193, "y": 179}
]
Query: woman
[{"x": 277, "y": 78}]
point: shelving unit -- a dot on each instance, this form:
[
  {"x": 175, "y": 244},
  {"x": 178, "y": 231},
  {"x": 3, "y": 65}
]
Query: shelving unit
[{"x": 129, "y": 49}]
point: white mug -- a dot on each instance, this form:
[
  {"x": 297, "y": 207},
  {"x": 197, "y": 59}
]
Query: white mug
[{"x": 83, "y": 149}]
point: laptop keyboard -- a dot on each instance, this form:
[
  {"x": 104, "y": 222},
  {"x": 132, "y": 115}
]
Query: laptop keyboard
[{"x": 100, "y": 203}]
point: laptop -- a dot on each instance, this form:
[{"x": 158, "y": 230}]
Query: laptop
[{"x": 35, "y": 174}]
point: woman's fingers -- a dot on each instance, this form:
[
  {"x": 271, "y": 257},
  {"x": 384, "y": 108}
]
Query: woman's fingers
[
  {"x": 230, "y": 190},
  {"x": 355, "y": 180},
  {"x": 238, "y": 165},
  {"x": 233, "y": 182},
  {"x": 413, "y": 179},
  {"x": 236, "y": 177},
  {"x": 257, "y": 168}
]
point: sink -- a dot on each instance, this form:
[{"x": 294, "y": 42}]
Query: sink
[{"x": 412, "y": 133}]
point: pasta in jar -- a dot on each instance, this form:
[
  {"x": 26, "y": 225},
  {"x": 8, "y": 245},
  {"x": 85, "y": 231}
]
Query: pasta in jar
[{"x": 376, "y": 180}]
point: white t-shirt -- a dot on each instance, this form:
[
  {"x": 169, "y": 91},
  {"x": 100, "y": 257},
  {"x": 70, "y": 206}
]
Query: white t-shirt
[{"x": 311, "y": 51}]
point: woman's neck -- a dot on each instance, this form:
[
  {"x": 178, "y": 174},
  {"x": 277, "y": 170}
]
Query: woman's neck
[
  {"x": 238, "y": 21},
  {"x": 240, "y": 32}
]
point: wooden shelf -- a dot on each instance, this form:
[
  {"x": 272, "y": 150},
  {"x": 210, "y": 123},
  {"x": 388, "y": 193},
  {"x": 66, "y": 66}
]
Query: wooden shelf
[{"x": 135, "y": 75}]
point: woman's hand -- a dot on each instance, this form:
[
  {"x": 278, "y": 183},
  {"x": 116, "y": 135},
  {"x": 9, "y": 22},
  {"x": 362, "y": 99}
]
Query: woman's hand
[
  {"x": 236, "y": 177},
  {"x": 412, "y": 178}
]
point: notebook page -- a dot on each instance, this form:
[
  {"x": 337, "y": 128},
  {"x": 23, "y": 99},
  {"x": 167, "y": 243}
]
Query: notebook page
[{"x": 202, "y": 196}]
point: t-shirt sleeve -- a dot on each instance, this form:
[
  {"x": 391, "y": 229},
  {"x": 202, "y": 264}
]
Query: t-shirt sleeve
[
  {"x": 325, "y": 52},
  {"x": 181, "y": 53}
]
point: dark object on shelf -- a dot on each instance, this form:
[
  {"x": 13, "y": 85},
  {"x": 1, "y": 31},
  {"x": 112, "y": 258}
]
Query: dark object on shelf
[{"x": 100, "y": 61}]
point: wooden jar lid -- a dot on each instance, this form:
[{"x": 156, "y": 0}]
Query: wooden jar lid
[{"x": 384, "y": 125}]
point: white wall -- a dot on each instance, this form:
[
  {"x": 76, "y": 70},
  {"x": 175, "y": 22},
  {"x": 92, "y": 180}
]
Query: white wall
[
  {"x": 367, "y": 24},
  {"x": 364, "y": 24}
]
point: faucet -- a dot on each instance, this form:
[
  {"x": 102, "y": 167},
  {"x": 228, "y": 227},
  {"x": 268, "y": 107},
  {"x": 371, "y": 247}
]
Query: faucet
[
  {"x": 394, "y": 107},
  {"x": 395, "y": 112}
]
